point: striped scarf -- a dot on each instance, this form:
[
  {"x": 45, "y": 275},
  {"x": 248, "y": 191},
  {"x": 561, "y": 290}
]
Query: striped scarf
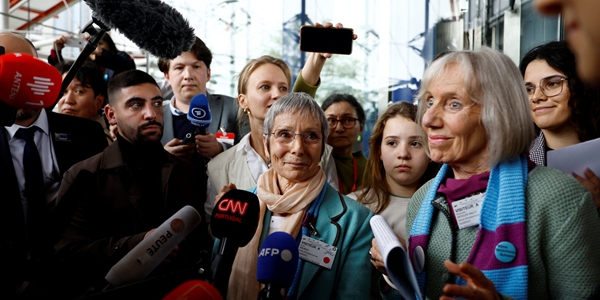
[{"x": 502, "y": 219}]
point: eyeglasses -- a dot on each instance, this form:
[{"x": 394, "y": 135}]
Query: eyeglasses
[
  {"x": 550, "y": 86},
  {"x": 285, "y": 137},
  {"x": 347, "y": 122}
]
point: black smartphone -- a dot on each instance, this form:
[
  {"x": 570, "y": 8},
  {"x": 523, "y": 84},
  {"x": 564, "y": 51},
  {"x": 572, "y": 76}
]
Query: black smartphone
[{"x": 326, "y": 40}]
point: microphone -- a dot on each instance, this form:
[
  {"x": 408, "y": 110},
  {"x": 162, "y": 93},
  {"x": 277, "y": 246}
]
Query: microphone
[
  {"x": 199, "y": 113},
  {"x": 28, "y": 82},
  {"x": 154, "y": 248},
  {"x": 277, "y": 264},
  {"x": 194, "y": 289},
  {"x": 151, "y": 24},
  {"x": 234, "y": 221}
]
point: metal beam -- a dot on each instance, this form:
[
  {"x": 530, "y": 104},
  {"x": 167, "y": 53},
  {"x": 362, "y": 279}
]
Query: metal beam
[{"x": 52, "y": 11}]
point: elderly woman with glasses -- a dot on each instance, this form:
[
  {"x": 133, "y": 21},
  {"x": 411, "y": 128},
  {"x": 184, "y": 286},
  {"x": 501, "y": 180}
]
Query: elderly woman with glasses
[
  {"x": 295, "y": 197},
  {"x": 565, "y": 110},
  {"x": 491, "y": 223},
  {"x": 346, "y": 119}
]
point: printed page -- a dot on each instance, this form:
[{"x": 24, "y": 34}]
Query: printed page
[
  {"x": 396, "y": 260},
  {"x": 576, "y": 158}
]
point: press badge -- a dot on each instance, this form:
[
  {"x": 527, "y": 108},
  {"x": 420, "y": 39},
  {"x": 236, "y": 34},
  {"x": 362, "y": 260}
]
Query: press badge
[
  {"x": 467, "y": 211},
  {"x": 225, "y": 137},
  {"x": 317, "y": 252}
]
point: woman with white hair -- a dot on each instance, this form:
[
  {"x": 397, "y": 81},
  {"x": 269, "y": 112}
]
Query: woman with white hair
[
  {"x": 295, "y": 197},
  {"x": 491, "y": 223}
]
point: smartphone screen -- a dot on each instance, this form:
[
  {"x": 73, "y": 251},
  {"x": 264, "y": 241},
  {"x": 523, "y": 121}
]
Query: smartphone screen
[
  {"x": 326, "y": 40},
  {"x": 75, "y": 42}
]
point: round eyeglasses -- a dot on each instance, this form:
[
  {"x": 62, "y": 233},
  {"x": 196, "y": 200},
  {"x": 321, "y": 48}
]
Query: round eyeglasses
[
  {"x": 550, "y": 86},
  {"x": 285, "y": 137},
  {"x": 347, "y": 122}
]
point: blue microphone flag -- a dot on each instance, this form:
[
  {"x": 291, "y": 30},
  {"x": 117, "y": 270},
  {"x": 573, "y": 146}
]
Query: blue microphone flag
[
  {"x": 199, "y": 112},
  {"x": 277, "y": 259}
]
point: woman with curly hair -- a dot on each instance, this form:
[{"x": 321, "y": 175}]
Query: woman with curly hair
[{"x": 565, "y": 110}]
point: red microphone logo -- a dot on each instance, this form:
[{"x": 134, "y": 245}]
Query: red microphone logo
[
  {"x": 231, "y": 210},
  {"x": 233, "y": 206}
]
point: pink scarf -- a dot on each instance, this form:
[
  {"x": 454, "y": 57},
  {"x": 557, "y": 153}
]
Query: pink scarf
[{"x": 294, "y": 203}]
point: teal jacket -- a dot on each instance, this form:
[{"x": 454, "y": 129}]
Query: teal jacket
[{"x": 344, "y": 223}]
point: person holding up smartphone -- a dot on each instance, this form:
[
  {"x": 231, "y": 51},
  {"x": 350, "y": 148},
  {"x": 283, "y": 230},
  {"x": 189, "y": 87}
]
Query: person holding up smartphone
[
  {"x": 261, "y": 83},
  {"x": 106, "y": 56}
]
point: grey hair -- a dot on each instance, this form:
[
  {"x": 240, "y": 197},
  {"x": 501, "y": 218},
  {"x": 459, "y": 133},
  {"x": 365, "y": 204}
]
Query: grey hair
[
  {"x": 297, "y": 103},
  {"x": 492, "y": 80}
]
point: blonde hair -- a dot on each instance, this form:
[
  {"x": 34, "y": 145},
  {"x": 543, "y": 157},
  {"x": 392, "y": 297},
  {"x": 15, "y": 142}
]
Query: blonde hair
[
  {"x": 244, "y": 76},
  {"x": 492, "y": 80}
]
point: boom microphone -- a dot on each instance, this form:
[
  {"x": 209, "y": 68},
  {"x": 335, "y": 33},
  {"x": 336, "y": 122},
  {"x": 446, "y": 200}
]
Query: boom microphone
[
  {"x": 199, "y": 113},
  {"x": 277, "y": 264},
  {"x": 28, "y": 82},
  {"x": 151, "y": 24},
  {"x": 154, "y": 248},
  {"x": 234, "y": 220}
]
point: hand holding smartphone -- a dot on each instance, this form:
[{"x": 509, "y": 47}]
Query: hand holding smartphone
[
  {"x": 326, "y": 40},
  {"x": 75, "y": 42},
  {"x": 189, "y": 138}
]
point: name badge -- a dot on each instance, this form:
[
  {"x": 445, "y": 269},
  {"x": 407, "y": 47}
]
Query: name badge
[
  {"x": 317, "y": 252},
  {"x": 467, "y": 211},
  {"x": 226, "y": 137},
  {"x": 62, "y": 137}
]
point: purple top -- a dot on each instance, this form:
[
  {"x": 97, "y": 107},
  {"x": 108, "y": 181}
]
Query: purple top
[{"x": 456, "y": 189}]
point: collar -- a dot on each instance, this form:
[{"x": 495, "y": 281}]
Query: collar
[
  {"x": 244, "y": 144},
  {"x": 459, "y": 188},
  {"x": 175, "y": 111},
  {"x": 41, "y": 122}
]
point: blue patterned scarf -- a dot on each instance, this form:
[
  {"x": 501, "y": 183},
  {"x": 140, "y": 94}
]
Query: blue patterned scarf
[{"x": 502, "y": 219}]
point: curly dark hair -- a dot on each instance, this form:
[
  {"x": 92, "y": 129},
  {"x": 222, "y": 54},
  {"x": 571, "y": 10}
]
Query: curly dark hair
[{"x": 585, "y": 99}]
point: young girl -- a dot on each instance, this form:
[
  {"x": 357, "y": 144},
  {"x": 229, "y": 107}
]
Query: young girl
[{"x": 397, "y": 167}]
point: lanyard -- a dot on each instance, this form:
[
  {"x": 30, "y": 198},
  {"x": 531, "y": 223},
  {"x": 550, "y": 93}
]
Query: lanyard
[
  {"x": 355, "y": 178},
  {"x": 308, "y": 228},
  {"x": 309, "y": 224}
]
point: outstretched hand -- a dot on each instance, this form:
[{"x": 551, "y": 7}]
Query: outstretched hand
[
  {"x": 478, "y": 286},
  {"x": 311, "y": 71},
  {"x": 591, "y": 183}
]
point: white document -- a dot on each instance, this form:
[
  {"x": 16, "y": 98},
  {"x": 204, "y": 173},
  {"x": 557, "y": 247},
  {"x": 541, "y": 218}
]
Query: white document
[
  {"x": 576, "y": 158},
  {"x": 395, "y": 258}
]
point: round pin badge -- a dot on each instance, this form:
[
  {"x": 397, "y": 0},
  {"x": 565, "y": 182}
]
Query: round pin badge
[
  {"x": 418, "y": 259},
  {"x": 505, "y": 252}
]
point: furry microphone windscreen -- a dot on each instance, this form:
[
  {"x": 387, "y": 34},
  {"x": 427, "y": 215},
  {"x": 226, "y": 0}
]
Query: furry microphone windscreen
[{"x": 151, "y": 24}]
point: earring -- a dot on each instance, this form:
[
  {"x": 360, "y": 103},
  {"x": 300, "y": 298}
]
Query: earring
[
  {"x": 246, "y": 111},
  {"x": 269, "y": 163}
]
